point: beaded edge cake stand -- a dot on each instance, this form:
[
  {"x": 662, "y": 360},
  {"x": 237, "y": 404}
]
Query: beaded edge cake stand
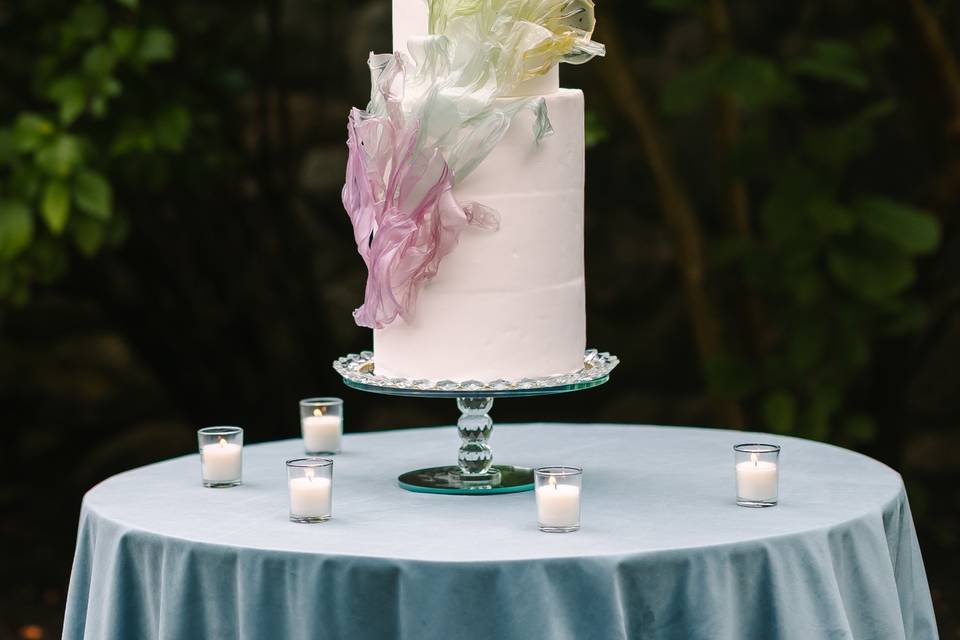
[{"x": 475, "y": 472}]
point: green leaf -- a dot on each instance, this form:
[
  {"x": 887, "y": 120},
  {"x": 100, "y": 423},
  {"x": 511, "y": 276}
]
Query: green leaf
[
  {"x": 806, "y": 287},
  {"x": 55, "y": 205},
  {"x": 911, "y": 319},
  {"x": 851, "y": 350},
  {"x": 730, "y": 377},
  {"x": 8, "y": 148},
  {"x": 71, "y": 108},
  {"x": 780, "y": 411},
  {"x": 157, "y": 45},
  {"x": 122, "y": 41},
  {"x": 690, "y": 90},
  {"x": 116, "y": 229},
  {"x": 832, "y": 61},
  {"x": 25, "y": 182},
  {"x": 70, "y": 91},
  {"x": 49, "y": 259},
  {"x": 88, "y": 20},
  {"x": 824, "y": 404},
  {"x": 915, "y": 231},
  {"x": 674, "y": 5},
  {"x": 130, "y": 4},
  {"x": 837, "y": 145},
  {"x": 595, "y": 129},
  {"x": 16, "y": 228},
  {"x": 30, "y": 131},
  {"x": 859, "y": 429},
  {"x": 98, "y": 106},
  {"x": 132, "y": 136},
  {"x": 93, "y": 194},
  {"x": 753, "y": 81},
  {"x": 784, "y": 213},
  {"x": 99, "y": 61},
  {"x": 873, "y": 273},
  {"x": 172, "y": 126},
  {"x": 60, "y": 156},
  {"x": 877, "y": 39},
  {"x": 806, "y": 344},
  {"x": 728, "y": 250},
  {"x": 66, "y": 86},
  {"x": 88, "y": 236},
  {"x": 831, "y": 217}
]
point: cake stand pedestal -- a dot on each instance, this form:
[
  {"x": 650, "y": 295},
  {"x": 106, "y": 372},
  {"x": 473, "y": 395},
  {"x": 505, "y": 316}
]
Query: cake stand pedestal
[{"x": 474, "y": 472}]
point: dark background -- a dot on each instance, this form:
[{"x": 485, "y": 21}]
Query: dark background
[{"x": 771, "y": 240}]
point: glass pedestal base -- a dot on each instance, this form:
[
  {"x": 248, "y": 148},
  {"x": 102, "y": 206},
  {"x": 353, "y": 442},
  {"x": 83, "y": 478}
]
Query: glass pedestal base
[
  {"x": 501, "y": 478},
  {"x": 474, "y": 474}
]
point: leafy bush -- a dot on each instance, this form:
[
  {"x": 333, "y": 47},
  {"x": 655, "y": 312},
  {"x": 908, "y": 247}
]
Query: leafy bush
[
  {"x": 824, "y": 269},
  {"x": 72, "y": 117}
]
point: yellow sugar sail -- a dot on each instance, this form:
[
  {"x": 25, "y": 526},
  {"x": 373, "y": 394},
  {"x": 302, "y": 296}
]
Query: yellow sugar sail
[{"x": 523, "y": 38}]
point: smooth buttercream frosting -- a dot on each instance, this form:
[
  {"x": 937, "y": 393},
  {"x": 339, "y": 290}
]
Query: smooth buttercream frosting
[{"x": 507, "y": 303}]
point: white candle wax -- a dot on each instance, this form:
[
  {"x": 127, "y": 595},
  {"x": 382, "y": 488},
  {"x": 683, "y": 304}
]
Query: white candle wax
[
  {"x": 558, "y": 505},
  {"x": 310, "y": 497},
  {"x": 757, "y": 480},
  {"x": 221, "y": 461},
  {"x": 321, "y": 434}
]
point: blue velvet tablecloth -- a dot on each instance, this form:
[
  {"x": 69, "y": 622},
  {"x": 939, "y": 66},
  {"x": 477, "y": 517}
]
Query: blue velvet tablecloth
[{"x": 663, "y": 553}]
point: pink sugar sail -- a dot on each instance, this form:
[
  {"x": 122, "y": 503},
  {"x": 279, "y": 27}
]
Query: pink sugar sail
[
  {"x": 404, "y": 215},
  {"x": 400, "y": 174}
]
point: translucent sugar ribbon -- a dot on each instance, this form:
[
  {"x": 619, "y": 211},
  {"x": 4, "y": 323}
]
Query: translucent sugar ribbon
[
  {"x": 522, "y": 39},
  {"x": 427, "y": 126}
]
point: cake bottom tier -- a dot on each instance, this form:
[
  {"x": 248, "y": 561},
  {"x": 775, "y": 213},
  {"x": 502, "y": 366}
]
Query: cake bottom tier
[{"x": 487, "y": 335}]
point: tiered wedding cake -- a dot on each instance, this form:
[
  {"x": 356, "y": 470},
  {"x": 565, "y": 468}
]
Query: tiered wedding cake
[{"x": 465, "y": 187}]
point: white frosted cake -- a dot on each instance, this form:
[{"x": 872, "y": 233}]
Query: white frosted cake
[{"x": 504, "y": 303}]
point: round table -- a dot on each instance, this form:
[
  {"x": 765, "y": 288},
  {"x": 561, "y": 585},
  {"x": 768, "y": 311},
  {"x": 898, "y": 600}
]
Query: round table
[{"x": 664, "y": 552}]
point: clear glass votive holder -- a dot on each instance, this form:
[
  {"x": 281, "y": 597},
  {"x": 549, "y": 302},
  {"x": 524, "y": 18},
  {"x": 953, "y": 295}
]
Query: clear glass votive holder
[
  {"x": 221, "y": 456},
  {"x": 758, "y": 474},
  {"x": 321, "y": 423},
  {"x": 558, "y": 498},
  {"x": 310, "y": 483}
]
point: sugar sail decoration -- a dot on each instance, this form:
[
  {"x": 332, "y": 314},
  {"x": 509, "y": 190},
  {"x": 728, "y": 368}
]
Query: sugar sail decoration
[{"x": 435, "y": 113}]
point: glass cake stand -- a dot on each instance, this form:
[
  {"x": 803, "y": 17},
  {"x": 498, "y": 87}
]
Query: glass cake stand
[{"x": 475, "y": 472}]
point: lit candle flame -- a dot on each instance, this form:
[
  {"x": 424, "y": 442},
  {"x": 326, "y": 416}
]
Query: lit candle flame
[
  {"x": 754, "y": 458},
  {"x": 223, "y": 441},
  {"x": 318, "y": 411},
  {"x": 553, "y": 482},
  {"x": 308, "y": 473}
]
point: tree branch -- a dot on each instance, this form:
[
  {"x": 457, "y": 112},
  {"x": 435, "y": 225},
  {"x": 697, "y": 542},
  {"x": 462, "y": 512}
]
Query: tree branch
[
  {"x": 678, "y": 212},
  {"x": 728, "y": 132},
  {"x": 939, "y": 50},
  {"x": 737, "y": 198}
]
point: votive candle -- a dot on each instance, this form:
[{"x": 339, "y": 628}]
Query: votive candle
[
  {"x": 558, "y": 498},
  {"x": 758, "y": 474},
  {"x": 221, "y": 456}
]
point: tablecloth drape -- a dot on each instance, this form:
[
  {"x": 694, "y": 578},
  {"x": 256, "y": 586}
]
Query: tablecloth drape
[{"x": 663, "y": 553}]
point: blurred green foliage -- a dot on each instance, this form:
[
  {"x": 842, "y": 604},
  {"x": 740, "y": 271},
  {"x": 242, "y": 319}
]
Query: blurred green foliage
[
  {"x": 824, "y": 269},
  {"x": 71, "y": 116}
]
